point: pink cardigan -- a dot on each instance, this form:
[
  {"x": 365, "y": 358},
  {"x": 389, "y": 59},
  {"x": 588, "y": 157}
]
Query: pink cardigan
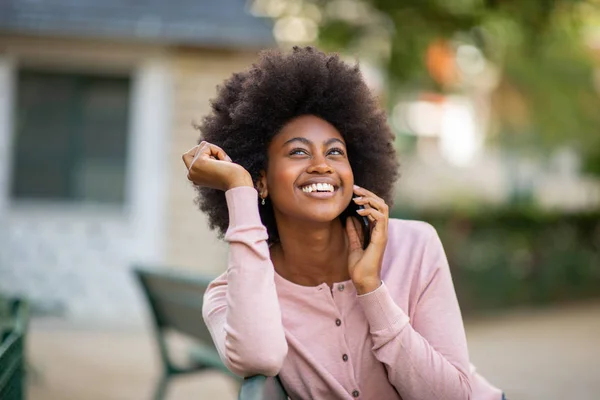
[{"x": 404, "y": 340}]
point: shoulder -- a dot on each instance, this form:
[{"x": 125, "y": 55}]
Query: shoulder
[
  {"x": 413, "y": 251},
  {"x": 417, "y": 239},
  {"x": 412, "y": 231}
]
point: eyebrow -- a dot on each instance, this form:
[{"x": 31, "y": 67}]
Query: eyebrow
[{"x": 308, "y": 142}]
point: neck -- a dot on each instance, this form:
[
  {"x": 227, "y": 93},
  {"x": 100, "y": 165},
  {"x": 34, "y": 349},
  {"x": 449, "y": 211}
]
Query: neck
[{"x": 311, "y": 254}]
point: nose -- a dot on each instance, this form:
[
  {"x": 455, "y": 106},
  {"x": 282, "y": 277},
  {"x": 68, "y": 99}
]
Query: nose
[{"x": 319, "y": 165}]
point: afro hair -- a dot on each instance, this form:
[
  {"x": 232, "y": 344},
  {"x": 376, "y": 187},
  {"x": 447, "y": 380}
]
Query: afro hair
[{"x": 251, "y": 107}]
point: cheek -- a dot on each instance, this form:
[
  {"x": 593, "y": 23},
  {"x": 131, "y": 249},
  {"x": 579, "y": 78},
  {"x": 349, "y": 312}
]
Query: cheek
[
  {"x": 346, "y": 174},
  {"x": 347, "y": 177},
  {"x": 281, "y": 179}
]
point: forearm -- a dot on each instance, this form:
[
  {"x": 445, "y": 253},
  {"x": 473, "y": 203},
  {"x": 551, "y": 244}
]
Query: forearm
[
  {"x": 415, "y": 367},
  {"x": 252, "y": 340}
]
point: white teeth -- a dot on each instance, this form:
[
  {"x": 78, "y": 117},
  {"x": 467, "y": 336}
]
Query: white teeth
[{"x": 318, "y": 187}]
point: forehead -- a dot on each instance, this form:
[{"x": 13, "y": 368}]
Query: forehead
[{"x": 310, "y": 127}]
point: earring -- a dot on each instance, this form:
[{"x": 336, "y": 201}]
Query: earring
[{"x": 263, "y": 201}]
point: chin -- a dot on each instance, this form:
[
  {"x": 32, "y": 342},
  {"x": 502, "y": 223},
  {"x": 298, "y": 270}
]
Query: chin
[{"x": 324, "y": 217}]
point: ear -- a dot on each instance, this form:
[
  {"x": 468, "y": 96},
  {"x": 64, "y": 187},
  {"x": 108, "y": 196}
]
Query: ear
[{"x": 261, "y": 185}]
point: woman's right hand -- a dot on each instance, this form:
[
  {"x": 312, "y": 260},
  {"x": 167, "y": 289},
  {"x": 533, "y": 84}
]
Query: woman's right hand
[{"x": 208, "y": 165}]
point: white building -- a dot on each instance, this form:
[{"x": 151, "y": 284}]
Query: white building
[{"x": 97, "y": 102}]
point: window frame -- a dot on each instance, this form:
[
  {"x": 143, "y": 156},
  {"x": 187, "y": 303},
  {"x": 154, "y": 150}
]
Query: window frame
[
  {"x": 81, "y": 81},
  {"x": 147, "y": 202}
]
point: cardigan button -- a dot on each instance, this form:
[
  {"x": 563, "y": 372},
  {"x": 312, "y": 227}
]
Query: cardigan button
[
  {"x": 345, "y": 357},
  {"x": 341, "y": 287},
  {"x": 338, "y": 322},
  {"x": 355, "y": 393}
]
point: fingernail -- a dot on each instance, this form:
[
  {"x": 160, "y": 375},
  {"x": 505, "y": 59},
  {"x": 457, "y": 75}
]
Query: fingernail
[
  {"x": 229, "y": 159},
  {"x": 356, "y": 187}
]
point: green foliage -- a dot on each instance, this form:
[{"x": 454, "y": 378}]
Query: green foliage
[
  {"x": 509, "y": 258},
  {"x": 552, "y": 72}
]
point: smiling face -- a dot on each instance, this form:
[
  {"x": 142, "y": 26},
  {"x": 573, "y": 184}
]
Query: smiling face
[{"x": 308, "y": 175}]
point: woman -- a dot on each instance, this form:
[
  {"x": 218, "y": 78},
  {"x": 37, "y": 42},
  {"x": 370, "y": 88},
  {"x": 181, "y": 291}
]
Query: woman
[{"x": 283, "y": 151}]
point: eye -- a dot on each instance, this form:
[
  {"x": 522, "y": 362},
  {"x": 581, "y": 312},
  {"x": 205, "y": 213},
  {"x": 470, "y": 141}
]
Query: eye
[
  {"x": 336, "y": 152},
  {"x": 298, "y": 152}
]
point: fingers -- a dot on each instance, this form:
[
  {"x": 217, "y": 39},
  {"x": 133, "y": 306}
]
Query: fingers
[
  {"x": 361, "y": 191},
  {"x": 370, "y": 200},
  {"x": 199, "y": 150},
  {"x": 376, "y": 210},
  {"x": 188, "y": 157},
  {"x": 204, "y": 149},
  {"x": 217, "y": 152},
  {"x": 373, "y": 215}
]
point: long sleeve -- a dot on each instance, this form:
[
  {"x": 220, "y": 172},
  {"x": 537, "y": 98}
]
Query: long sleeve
[
  {"x": 426, "y": 358},
  {"x": 241, "y": 308}
]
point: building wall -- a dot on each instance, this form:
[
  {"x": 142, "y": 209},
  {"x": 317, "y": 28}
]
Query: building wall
[
  {"x": 73, "y": 259},
  {"x": 190, "y": 244}
]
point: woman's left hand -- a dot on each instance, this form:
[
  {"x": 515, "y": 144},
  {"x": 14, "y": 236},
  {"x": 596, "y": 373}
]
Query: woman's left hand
[{"x": 364, "y": 266}]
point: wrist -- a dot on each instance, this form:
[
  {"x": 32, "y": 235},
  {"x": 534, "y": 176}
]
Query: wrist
[
  {"x": 244, "y": 180},
  {"x": 367, "y": 286}
]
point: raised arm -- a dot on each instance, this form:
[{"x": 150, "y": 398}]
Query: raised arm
[
  {"x": 241, "y": 308},
  {"x": 426, "y": 358}
]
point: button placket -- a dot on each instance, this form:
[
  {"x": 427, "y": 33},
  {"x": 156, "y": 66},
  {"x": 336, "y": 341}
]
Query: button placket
[{"x": 342, "y": 299}]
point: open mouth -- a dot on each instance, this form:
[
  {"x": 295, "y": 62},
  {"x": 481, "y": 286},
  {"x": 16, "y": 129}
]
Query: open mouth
[{"x": 319, "y": 190}]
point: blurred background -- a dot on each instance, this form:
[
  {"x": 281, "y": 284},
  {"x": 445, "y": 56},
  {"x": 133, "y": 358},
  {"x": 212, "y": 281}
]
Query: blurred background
[{"x": 496, "y": 109}]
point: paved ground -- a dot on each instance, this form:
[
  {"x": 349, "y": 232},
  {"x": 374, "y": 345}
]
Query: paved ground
[{"x": 548, "y": 354}]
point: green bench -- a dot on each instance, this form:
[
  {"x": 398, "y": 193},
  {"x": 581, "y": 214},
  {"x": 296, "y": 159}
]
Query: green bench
[
  {"x": 13, "y": 325},
  {"x": 262, "y": 387},
  {"x": 175, "y": 299}
]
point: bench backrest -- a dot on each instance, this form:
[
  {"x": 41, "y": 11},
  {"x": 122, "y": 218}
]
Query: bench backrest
[
  {"x": 13, "y": 325},
  {"x": 12, "y": 367},
  {"x": 262, "y": 387},
  {"x": 176, "y": 301}
]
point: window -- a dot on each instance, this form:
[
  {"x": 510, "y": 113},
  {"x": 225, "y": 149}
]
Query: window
[{"x": 70, "y": 137}]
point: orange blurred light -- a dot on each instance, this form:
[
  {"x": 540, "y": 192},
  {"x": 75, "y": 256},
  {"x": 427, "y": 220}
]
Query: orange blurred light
[{"x": 440, "y": 62}]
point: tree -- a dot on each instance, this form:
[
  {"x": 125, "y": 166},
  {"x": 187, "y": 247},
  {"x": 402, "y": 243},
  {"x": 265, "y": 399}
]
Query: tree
[{"x": 545, "y": 96}]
